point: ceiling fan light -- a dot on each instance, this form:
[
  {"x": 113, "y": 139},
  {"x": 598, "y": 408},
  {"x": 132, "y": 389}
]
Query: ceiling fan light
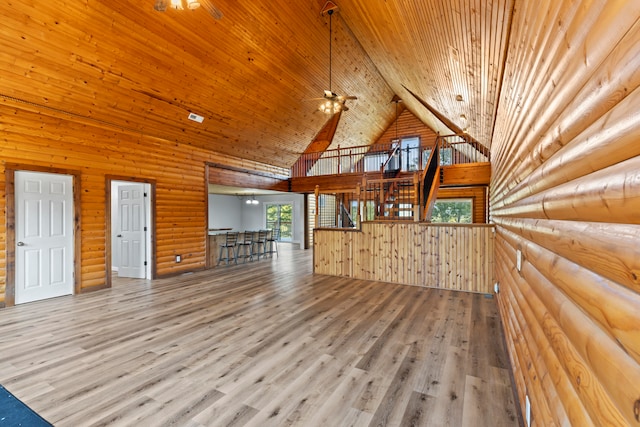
[
  {"x": 331, "y": 107},
  {"x": 193, "y": 4},
  {"x": 177, "y": 4}
]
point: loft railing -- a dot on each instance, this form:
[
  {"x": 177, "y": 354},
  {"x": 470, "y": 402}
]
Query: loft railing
[
  {"x": 454, "y": 149},
  {"x": 359, "y": 159},
  {"x": 409, "y": 196},
  {"x": 461, "y": 149}
]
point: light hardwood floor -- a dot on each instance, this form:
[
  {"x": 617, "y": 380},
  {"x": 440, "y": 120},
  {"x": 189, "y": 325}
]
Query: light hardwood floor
[{"x": 262, "y": 344}]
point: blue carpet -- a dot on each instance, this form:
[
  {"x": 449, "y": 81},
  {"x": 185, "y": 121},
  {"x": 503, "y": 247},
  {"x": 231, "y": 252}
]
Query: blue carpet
[{"x": 15, "y": 413}]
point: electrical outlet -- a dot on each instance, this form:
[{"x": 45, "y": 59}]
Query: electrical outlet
[
  {"x": 519, "y": 260},
  {"x": 178, "y": 258},
  {"x": 496, "y": 287}
]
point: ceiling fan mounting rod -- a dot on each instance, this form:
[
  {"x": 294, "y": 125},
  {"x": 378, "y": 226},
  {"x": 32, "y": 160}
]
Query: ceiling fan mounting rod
[{"x": 330, "y": 12}]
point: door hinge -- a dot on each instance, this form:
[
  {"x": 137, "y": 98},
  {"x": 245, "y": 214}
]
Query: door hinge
[
  {"x": 145, "y": 194},
  {"x": 145, "y": 263},
  {"x": 145, "y": 228}
]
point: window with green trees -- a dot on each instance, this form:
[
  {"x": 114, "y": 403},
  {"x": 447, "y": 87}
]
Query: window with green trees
[
  {"x": 453, "y": 211},
  {"x": 281, "y": 216}
]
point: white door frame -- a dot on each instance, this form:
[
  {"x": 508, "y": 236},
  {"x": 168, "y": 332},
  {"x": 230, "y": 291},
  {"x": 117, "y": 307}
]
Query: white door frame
[{"x": 10, "y": 174}]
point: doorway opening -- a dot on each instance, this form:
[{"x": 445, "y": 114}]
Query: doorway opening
[
  {"x": 131, "y": 226},
  {"x": 280, "y": 216}
]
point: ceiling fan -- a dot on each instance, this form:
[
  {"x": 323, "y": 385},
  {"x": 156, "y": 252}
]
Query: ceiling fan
[
  {"x": 331, "y": 102},
  {"x": 161, "y": 6}
]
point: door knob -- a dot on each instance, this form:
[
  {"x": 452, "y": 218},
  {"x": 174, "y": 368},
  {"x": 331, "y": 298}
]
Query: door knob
[{"x": 20, "y": 243}]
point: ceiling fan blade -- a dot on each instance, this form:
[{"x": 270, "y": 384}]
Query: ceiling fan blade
[
  {"x": 350, "y": 97},
  {"x": 213, "y": 11}
]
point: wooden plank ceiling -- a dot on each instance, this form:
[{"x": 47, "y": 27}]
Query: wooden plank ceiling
[{"x": 253, "y": 72}]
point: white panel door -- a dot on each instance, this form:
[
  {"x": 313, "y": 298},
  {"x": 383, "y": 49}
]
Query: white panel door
[
  {"x": 44, "y": 236},
  {"x": 131, "y": 231}
]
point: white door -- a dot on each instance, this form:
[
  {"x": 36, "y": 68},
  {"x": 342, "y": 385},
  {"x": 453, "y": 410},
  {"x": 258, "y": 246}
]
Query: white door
[
  {"x": 131, "y": 231},
  {"x": 44, "y": 236}
]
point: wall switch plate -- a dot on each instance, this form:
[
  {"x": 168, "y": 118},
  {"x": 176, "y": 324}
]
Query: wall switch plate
[
  {"x": 519, "y": 260},
  {"x": 178, "y": 258}
]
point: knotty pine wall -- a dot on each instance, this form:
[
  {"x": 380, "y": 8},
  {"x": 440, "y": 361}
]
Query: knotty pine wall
[
  {"x": 408, "y": 126},
  {"x": 96, "y": 150},
  {"x": 458, "y": 257},
  {"x": 566, "y": 193}
]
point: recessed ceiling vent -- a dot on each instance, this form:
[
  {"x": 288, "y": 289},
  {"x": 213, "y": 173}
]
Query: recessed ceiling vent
[{"x": 195, "y": 117}]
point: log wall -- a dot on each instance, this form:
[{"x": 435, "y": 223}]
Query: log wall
[
  {"x": 458, "y": 257},
  {"x": 96, "y": 150},
  {"x": 565, "y": 192}
]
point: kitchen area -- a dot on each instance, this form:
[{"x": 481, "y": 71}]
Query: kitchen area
[{"x": 245, "y": 211}]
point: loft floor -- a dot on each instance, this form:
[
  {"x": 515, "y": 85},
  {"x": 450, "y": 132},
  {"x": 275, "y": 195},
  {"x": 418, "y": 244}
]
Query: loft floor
[{"x": 262, "y": 344}]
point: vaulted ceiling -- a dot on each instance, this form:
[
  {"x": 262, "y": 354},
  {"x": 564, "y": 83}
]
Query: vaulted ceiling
[{"x": 253, "y": 72}]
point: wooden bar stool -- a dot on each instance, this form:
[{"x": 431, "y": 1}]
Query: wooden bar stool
[{"x": 231, "y": 239}]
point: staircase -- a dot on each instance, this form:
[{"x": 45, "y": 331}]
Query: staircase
[
  {"x": 371, "y": 178},
  {"x": 398, "y": 200}
]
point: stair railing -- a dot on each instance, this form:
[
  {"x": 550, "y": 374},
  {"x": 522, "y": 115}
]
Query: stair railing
[
  {"x": 392, "y": 155},
  {"x": 430, "y": 182},
  {"x": 346, "y": 221}
]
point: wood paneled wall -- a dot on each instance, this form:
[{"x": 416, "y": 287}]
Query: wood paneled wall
[
  {"x": 458, "y": 257},
  {"x": 565, "y": 193},
  {"x": 96, "y": 150},
  {"x": 408, "y": 126}
]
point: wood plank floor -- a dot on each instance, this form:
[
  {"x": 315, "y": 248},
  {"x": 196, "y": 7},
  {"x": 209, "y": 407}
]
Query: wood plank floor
[{"x": 262, "y": 344}]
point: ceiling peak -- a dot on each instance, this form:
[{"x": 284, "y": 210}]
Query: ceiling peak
[{"x": 329, "y": 7}]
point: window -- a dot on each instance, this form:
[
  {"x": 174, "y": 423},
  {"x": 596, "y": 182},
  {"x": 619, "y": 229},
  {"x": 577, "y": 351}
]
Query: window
[
  {"x": 281, "y": 216},
  {"x": 410, "y": 154},
  {"x": 453, "y": 211}
]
